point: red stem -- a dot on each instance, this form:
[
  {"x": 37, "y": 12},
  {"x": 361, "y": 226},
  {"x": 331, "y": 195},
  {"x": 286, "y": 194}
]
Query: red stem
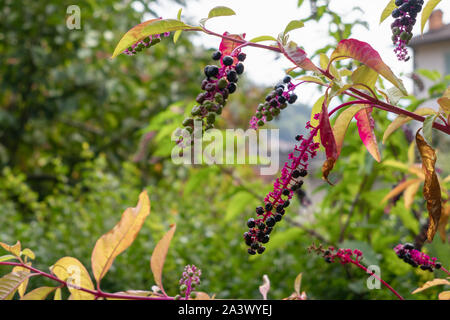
[
  {"x": 96, "y": 293},
  {"x": 445, "y": 270},
  {"x": 356, "y": 263}
]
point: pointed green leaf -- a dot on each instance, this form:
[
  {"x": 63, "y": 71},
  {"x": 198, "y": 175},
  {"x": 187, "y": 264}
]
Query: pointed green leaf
[
  {"x": 177, "y": 33},
  {"x": 428, "y": 128},
  {"x": 220, "y": 11},
  {"x": 30, "y": 254},
  {"x": 148, "y": 28},
  {"x": 427, "y": 10},
  {"x": 7, "y": 257},
  {"x": 263, "y": 38},
  {"x": 388, "y": 10},
  {"x": 365, "y": 75},
  {"x": 292, "y": 25}
]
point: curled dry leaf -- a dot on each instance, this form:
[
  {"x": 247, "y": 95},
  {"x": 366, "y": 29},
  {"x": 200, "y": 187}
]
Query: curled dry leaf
[
  {"x": 443, "y": 221},
  {"x": 431, "y": 188},
  {"x": 445, "y": 295},
  {"x": 328, "y": 142}
]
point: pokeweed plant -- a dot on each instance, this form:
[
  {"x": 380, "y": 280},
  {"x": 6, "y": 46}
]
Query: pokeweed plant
[{"x": 357, "y": 86}]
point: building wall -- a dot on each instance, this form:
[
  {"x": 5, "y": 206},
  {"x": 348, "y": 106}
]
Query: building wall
[{"x": 435, "y": 56}]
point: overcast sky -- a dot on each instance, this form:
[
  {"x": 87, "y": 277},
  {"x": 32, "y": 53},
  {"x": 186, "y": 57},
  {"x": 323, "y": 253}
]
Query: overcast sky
[{"x": 269, "y": 17}]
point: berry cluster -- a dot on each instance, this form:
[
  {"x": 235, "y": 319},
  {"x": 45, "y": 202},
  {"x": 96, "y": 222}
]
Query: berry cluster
[
  {"x": 343, "y": 256},
  {"x": 405, "y": 18},
  {"x": 414, "y": 257},
  {"x": 276, "y": 101},
  {"x": 219, "y": 83},
  {"x": 276, "y": 202},
  {"x": 188, "y": 282},
  {"x": 145, "y": 44}
]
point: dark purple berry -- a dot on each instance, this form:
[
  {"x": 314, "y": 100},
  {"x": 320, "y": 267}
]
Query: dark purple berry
[
  {"x": 239, "y": 68},
  {"x": 241, "y": 56},
  {"x": 270, "y": 222},
  {"x": 217, "y": 55},
  {"x": 227, "y": 60},
  {"x": 261, "y": 249},
  {"x": 287, "y": 79},
  {"x": 232, "y": 87},
  {"x": 251, "y": 223}
]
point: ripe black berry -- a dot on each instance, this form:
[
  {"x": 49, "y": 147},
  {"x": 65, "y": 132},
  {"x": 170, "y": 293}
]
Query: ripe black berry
[
  {"x": 255, "y": 245},
  {"x": 232, "y": 76},
  {"x": 216, "y": 55},
  {"x": 438, "y": 265},
  {"x": 298, "y": 137},
  {"x": 265, "y": 239},
  {"x": 295, "y": 174},
  {"x": 281, "y": 99},
  {"x": 261, "y": 226},
  {"x": 251, "y": 223},
  {"x": 278, "y": 217},
  {"x": 286, "y": 203},
  {"x": 269, "y": 207},
  {"x": 241, "y": 56},
  {"x": 286, "y": 192},
  {"x": 270, "y": 222},
  {"x": 261, "y": 249},
  {"x": 232, "y": 87},
  {"x": 259, "y": 210},
  {"x": 287, "y": 79},
  {"x": 303, "y": 173},
  {"x": 251, "y": 251},
  {"x": 408, "y": 246},
  {"x": 239, "y": 68},
  {"x": 228, "y": 61},
  {"x": 292, "y": 98}
]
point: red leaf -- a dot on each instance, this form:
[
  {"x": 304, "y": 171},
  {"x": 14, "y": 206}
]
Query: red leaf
[
  {"x": 297, "y": 56},
  {"x": 363, "y": 52},
  {"x": 366, "y": 124},
  {"x": 329, "y": 143},
  {"x": 227, "y": 46}
]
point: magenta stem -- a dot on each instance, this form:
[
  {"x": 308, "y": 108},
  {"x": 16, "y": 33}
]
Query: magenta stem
[
  {"x": 96, "y": 293},
  {"x": 356, "y": 263}
]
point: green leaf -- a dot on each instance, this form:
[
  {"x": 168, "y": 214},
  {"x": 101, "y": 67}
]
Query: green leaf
[
  {"x": 7, "y": 257},
  {"x": 237, "y": 205},
  {"x": 177, "y": 33},
  {"x": 263, "y": 38},
  {"x": 427, "y": 10},
  {"x": 148, "y": 28},
  {"x": 428, "y": 128},
  {"x": 292, "y": 25},
  {"x": 300, "y": 2},
  {"x": 394, "y": 94},
  {"x": 387, "y": 10},
  {"x": 317, "y": 108},
  {"x": 365, "y": 75},
  {"x": 10, "y": 283},
  {"x": 220, "y": 11},
  {"x": 38, "y": 293}
]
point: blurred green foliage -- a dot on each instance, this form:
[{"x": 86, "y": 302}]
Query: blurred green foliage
[{"x": 81, "y": 135}]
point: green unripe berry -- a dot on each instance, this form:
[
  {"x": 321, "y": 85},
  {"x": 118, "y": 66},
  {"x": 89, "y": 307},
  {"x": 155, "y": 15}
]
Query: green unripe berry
[
  {"x": 222, "y": 83},
  {"x": 193, "y": 295},
  {"x": 188, "y": 122},
  {"x": 404, "y": 36},
  {"x": 183, "y": 287},
  {"x": 269, "y": 117},
  {"x": 219, "y": 110},
  {"x": 260, "y": 107},
  {"x": 210, "y": 118},
  {"x": 258, "y": 115},
  {"x": 196, "y": 110},
  {"x": 260, "y": 123},
  {"x": 177, "y": 297},
  {"x": 283, "y": 106},
  {"x": 218, "y": 98}
]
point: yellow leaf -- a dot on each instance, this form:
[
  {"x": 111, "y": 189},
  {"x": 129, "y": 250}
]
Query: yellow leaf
[
  {"x": 324, "y": 64},
  {"x": 30, "y": 254},
  {"x": 400, "y": 188},
  {"x": 23, "y": 286},
  {"x": 10, "y": 283},
  {"x": 445, "y": 295},
  {"x": 159, "y": 256},
  {"x": 431, "y": 188},
  {"x": 15, "y": 249},
  {"x": 57, "y": 294},
  {"x": 427, "y": 10},
  {"x": 402, "y": 119},
  {"x": 365, "y": 75},
  {"x": 39, "y": 293},
  {"x": 75, "y": 274},
  {"x": 411, "y": 153},
  {"x": 139, "y": 293},
  {"x": 111, "y": 244},
  {"x": 298, "y": 283},
  {"x": 432, "y": 283},
  {"x": 410, "y": 193}
]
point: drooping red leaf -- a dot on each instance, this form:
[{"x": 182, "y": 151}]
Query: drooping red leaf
[
  {"x": 366, "y": 125},
  {"x": 227, "y": 46},
  {"x": 328, "y": 142},
  {"x": 363, "y": 52},
  {"x": 297, "y": 56}
]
